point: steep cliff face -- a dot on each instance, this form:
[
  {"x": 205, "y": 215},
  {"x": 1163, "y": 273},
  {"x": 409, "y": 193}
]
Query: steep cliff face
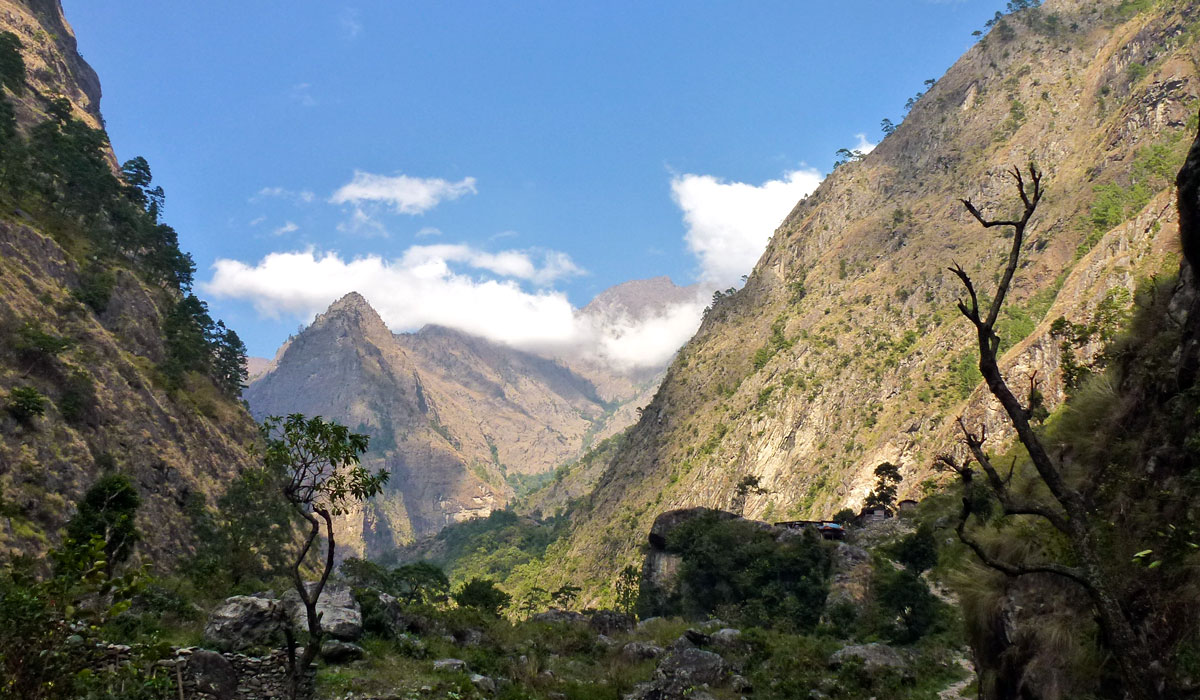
[
  {"x": 460, "y": 422},
  {"x": 53, "y": 64},
  {"x": 844, "y": 349},
  {"x": 106, "y": 405}
]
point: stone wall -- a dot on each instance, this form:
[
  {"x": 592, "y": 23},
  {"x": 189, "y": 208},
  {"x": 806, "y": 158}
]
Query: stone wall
[{"x": 209, "y": 675}]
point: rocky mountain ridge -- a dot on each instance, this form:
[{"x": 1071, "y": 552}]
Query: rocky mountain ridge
[
  {"x": 462, "y": 423},
  {"x": 844, "y": 349}
]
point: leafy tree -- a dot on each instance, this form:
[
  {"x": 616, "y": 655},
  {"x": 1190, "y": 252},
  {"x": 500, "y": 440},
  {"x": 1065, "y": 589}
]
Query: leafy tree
[
  {"x": 917, "y": 551},
  {"x": 107, "y": 513},
  {"x": 844, "y": 516},
  {"x": 535, "y": 600},
  {"x": 887, "y": 127},
  {"x": 887, "y": 477},
  {"x": 50, "y": 625},
  {"x": 317, "y": 464},
  {"x": 247, "y": 537},
  {"x": 628, "y": 588},
  {"x": 845, "y": 155},
  {"x": 565, "y": 595},
  {"x": 483, "y": 595},
  {"x": 747, "y": 485},
  {"x": 420, "y": 583},
  {"x": 12, "y": 65},
  {"x": 96, "y": 283},
  {"x": 38, "y": 347},
  {"x": 136, "y": 173},
  {"x": 735, "y": 565},
  {"x": 229, "y": 360},
  {"x": 26, "y": 403},
  {"x": 908, "y": 605}
]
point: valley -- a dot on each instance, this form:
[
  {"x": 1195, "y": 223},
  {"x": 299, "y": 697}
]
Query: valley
[{"x": 939, "y": 442}]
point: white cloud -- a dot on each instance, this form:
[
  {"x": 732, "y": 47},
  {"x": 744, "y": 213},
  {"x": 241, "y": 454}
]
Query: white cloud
[
  {"x": 363, "y": 224},
  {"x": 287, "y": 228},
  {"x": 257, "y": 220},
  {"x": 295, "y": 196},
  {"x": 405, "y": 195},
  {"x": 730, "y": 223},
  {"x": 864, "y": 146},
  {"x": 428, "y": 231},
  {"x": 507, "y": 263},
  {"x": 422, "y": 287}
]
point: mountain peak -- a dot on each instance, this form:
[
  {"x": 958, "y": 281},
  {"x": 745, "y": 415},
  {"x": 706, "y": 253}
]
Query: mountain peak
[{"x": 353, "y": 309}]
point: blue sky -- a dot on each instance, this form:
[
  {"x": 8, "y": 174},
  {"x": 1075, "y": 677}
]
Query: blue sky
[{"x": 493, "y": 165}]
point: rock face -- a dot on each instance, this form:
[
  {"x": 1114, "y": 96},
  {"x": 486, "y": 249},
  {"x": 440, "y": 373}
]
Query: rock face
[
  {"x": 844, "y": 348},
  {"x": 242, "y": 622},
  {"x": 339, "y": 612},
  {"x": 453, "y": 417},
  {"x": 874, "y": 657}
]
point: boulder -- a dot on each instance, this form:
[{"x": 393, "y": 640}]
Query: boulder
[
  {"x": 213, "y": 673},
  {"x": 336, "y": 651},
  {"x": 245, "y": 621},
  {"x": 692, "y": 667},
  {"x": 483, "y": 684},
  {"x": 453, "y": 665},
  {"x": 340, "y": 614},
  {"x": 640, "y": 651},
  {"x": 610, "y": 622},
  {"x": 560, "y": 616},
  {"x": 875, "y": 657},
  {"x": 726, "y": 637},
  {"x": 697, "y": 637}
]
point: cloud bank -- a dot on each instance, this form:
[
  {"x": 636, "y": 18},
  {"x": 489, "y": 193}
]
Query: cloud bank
[
  {"x": 508, "y": 296},
  {"x": 729, "y": 223},
  {"x": 404, "y": 194},
  {"x": 434, "y": 285}
]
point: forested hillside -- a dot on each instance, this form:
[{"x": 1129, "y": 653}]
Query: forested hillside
[{"x": 110, "y": 366}]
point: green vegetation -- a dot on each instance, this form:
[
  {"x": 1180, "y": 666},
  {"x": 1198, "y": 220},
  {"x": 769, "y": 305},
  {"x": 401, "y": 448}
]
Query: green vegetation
[
  {"x": 316, "y": 464},
  {"x": 60, "y": 174},
  {"x": 736, "y": 571},
  {"x": 25, "y": 403},
  {"x": 482, "y": 594}
]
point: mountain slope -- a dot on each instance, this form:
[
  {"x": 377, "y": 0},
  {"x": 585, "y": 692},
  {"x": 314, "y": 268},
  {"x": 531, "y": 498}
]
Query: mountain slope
[
  {"x": 460, "y": 422},
  {"x": 844, "y": 349},
  {"x": 82, "y": 324}
]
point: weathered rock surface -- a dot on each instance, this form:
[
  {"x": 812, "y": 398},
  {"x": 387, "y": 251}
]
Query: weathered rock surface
[
  {"x": 213, "y": 674},
  {"x": 875, "y": 657},
  {"x": 640, "y": 651},
  {"x": 335, "y": 651},
  {"x": 242, "y": 622},
  {"x": 339, "y": 612},
  {"x": 693, "y": 666}
]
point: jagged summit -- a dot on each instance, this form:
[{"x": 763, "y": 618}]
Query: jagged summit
[{"x": 640, "y": 298}]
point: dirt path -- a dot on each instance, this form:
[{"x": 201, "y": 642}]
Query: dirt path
[{"x": 955, "y": 690}]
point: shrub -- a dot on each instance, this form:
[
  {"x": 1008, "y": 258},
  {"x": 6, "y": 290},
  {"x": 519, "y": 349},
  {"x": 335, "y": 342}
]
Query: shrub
[
  {"x": 483, "y": 595},
  {"x": 25, "y": 403},
  {"x": 738, "y": 567}
]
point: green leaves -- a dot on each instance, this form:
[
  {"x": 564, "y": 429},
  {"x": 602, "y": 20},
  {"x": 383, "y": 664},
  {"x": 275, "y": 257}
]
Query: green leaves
[{"x": 319, "y": 461}]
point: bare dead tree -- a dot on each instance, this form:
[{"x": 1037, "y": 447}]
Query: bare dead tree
[{"x": 1069, "y": 512}]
